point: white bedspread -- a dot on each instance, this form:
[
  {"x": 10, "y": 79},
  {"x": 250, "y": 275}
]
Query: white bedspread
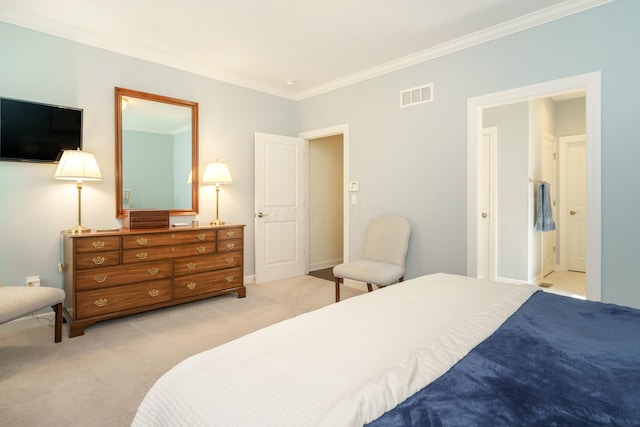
[{"x": 343, "y": 365}]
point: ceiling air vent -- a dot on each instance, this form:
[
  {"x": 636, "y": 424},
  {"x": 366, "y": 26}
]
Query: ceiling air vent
[{"x": 416, "y": 95}]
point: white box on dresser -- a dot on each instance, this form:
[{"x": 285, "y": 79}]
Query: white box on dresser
[{"x": 113, "y": 274}]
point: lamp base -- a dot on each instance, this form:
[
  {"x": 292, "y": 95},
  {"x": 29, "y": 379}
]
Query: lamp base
[
  {"x": 216, "y": 222},
  {"x": 79, "y": 229}
]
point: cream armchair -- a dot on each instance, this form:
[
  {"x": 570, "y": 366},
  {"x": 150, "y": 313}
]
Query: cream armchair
[
  {"x": 385, "y": 251},
  {"x": 18, "y": 301}
]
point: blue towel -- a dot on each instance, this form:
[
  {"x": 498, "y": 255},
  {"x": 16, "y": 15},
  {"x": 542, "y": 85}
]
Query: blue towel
[{"x": 544, "y": 217}]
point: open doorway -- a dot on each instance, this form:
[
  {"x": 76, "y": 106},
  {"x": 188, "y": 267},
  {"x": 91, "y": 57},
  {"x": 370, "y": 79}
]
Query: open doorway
[
  {"x": 327, "y": 210},
  {"x": 526, "y": 158},
  {"x": 527, "y": 268}
]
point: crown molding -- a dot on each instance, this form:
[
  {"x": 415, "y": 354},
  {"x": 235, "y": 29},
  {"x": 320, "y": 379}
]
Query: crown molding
[
  {"x": 522, "y": 23},
  {"x": 552, "y": 13}
]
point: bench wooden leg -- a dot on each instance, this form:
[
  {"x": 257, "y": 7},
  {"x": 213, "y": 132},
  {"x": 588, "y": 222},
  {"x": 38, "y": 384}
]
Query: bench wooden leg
[
  {"x": 58, "y": 321},
  {"x": 338, "y": 281}
]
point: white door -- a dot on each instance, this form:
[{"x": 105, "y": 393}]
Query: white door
[
  {"x": 576, "y": 208},
  {"x": 548, "y": 175},
  {"x": 280, "y": 182},
  {"x": 487, "y": 176}
]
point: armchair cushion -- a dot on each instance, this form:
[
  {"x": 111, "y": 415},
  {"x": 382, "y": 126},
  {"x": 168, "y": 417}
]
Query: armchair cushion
[
  {"x": 368, "y": 271},
  {"x": 17, "y": 301}
]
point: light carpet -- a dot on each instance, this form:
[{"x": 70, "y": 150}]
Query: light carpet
[{"x": 100, "y": 378}]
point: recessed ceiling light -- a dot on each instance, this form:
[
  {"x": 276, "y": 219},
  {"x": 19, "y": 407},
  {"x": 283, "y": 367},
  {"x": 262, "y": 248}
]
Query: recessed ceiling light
[{"x": 291, "y": 82}]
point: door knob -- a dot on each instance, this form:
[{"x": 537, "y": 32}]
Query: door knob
[
  {"x": 572, "y": 212},
  {"x": 260, "y": 214},
  {"x": 484, "y": 215}
]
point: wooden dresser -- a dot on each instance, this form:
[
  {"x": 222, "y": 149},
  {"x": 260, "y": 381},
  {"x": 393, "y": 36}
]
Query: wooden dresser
[{"x": 113, "y": 274}]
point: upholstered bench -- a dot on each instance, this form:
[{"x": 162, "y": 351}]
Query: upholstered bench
[{"x": 18, "y": 301}]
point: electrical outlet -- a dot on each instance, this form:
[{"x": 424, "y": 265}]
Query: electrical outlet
[{"x": 33, "y": 281}]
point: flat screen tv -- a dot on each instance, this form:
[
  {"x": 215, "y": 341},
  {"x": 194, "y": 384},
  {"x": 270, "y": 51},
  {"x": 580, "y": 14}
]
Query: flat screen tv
[{"x": 35, "y": 132}]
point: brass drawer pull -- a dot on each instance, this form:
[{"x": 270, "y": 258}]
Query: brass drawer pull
[
  {"x": 229, "y": 260},
  {"x": 191, "y": 285},
  {"x": 191, "y": 265},
  {"x": 142, "y": 241},
  {"x": 141, "y": 255},
  {"x": 229, "y": 279},
  {"x": 153, "y": 271},
  {"x": 99, "y": 260},
  {"x": 231, "y": 233},
  {"x": 101, "y": 302},
  {"x": 231, "y": 245},
  {"x": 98, "y": 244},
  {"x": 154, "y": 293},
  {"x": 201, "y": 236},
  {"x": 101, "y": 278},
  {"x": 201, "y": 249}
]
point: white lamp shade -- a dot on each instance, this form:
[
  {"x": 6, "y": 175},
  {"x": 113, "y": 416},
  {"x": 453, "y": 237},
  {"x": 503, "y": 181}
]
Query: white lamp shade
[
  {"x": 78, "y": 165},
  {"x": 216, "y": 173}
]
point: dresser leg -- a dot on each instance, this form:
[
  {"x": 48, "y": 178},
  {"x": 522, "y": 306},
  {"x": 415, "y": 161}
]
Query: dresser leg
[{"x": 242, "y": 292}]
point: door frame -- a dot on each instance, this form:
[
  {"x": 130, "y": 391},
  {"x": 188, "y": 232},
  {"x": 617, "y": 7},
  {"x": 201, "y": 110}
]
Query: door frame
[
  {"x": 548, "y": 136},
  {"x": 591, "y": 84},
  {"x": 343, "y": 130}
]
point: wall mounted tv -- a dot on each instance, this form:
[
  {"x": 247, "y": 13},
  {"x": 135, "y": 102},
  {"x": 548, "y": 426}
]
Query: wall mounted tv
[{"x": 35, "y": 132}]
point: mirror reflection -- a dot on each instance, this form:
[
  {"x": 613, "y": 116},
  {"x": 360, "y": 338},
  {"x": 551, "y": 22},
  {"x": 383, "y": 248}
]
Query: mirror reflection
[{"x": 156, "y": 153}]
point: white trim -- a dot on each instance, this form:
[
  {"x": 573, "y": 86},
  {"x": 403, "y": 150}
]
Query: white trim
[
  {"x": 324, "y": 264},
  {"x": 343, "y": 130},
  {"x": 591, "y": 83}
]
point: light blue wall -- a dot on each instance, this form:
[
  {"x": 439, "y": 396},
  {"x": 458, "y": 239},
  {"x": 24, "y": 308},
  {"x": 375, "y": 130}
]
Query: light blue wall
[
  {"x": 182, "y": 169},
  {"x": 412, "y": 161},
  {"x": 35, "y": 207},
  {"x": 148, "y": 158},
  {"x": 512, "y": 152},
  {"x": 409, "y": 161}
]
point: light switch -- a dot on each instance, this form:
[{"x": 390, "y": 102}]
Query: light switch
[{"x": 354, "y": 186}]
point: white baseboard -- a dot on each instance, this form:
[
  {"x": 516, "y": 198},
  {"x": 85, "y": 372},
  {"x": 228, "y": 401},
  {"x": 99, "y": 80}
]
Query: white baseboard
[
  {"x": 324, "y": 264},
  {"x": 28, "y": 321}
]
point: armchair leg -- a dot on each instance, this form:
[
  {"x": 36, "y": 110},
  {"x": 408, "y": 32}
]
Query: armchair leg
[
  {"x": 338, "y": 281},
  {"x": 58, "y": 322},
  {"x": 369, "y": 287}
]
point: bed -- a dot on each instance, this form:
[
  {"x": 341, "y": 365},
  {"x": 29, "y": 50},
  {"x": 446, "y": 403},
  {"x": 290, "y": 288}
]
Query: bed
[{"x": 436, "y": 350}]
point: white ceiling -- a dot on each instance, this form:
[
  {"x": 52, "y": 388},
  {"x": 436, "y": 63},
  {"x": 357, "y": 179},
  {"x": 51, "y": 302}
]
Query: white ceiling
[{"x": 321, "y": 44}]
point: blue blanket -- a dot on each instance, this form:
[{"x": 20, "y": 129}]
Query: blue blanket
[{"x": 557, "y": 361}]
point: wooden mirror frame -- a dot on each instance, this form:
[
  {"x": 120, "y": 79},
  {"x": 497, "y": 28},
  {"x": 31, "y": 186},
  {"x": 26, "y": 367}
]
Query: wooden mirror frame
[{"x": 128, "y": 93}]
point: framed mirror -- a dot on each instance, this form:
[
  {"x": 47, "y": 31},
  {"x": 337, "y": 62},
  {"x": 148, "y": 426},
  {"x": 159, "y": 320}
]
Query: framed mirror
[{"x": 156, "y": 153}]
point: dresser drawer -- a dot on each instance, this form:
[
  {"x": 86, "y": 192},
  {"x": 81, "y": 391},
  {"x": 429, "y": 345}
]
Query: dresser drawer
[
  {"x": 164, "y": 239},
  {"x": 95, "y": 244},
  {"x": 101, "y": 259},
  {"x": 206, "y": 263},
  {"x": 105, "y": 301},
  {"x": 113, "y": 276},
  {"x": 229, "y": 245},
  {"x": 198, "y": 284},
  {"x": 165, "y": 252},
  {"x": 230, "y": 233}
]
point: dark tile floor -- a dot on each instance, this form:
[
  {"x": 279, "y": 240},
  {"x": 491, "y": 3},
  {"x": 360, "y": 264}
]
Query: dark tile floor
[{"x": 325, "y": 273}]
